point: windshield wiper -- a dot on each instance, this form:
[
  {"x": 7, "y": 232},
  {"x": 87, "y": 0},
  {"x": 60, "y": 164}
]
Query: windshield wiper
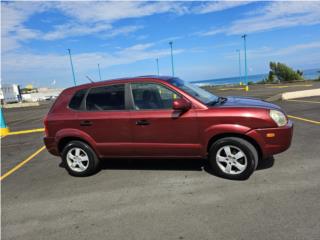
[{"x": 218, "y": 100}]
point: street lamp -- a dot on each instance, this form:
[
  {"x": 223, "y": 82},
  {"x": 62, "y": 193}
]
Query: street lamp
[
  {"x": 99, "y": 71},
  {"x": 245, "y": 61},
  {"x": 157, "y": 61},
  {"x": 239, "y": 58},
  {"x": 170, "y": 43},
  {"x": 74, "y": 77}
]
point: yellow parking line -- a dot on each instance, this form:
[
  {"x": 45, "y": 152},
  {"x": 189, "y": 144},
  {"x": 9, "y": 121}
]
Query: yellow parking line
[
  {"x": 286, "y": 86},
  {"x": 304, "y": 119},
  {"x": 226, "y": 89},
  {"x": 26, "y": 131},
  {"x": 278, "y": 87},
  {"x": 21, "y": 163},
  {"x": 305, "y": 101}
]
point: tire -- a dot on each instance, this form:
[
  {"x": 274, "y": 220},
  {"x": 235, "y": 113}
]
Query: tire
[
  {"x": 237, "y": 163},
  {"x": 79, "y": 159}
]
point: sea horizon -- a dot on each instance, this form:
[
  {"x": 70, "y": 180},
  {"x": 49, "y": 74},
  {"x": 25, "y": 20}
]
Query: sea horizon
[{"x": 308, "y": 74}]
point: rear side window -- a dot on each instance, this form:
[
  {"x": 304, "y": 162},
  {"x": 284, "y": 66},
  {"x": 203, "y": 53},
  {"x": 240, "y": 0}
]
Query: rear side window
[
  {"x": 106, "y": 98},
  {"x": 76, "y": 100}
]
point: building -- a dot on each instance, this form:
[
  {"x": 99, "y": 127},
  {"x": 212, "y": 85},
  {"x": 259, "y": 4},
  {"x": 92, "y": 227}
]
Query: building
[{"x": 10, "y": 93}]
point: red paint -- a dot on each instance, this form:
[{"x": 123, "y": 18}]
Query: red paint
[{"x": 183, "y": 131}]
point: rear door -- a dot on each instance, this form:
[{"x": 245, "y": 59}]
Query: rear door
[
  {"x": 158, "y": 130},
  {"x": 106, "y": 120}
]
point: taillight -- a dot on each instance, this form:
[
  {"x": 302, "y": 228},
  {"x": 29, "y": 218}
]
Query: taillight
[{"x": 45, "y": 123}]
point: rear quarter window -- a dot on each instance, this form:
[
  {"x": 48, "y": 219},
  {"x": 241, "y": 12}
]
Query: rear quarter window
[{"x": 76, "y": 100}]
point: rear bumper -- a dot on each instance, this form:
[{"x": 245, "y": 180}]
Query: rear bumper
[
  {"x": 51, "y": 145},
  {"x": 273, "y": 145}
]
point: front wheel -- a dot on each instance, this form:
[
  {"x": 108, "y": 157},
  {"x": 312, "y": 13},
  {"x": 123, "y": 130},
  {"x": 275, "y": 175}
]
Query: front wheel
[
  {"x": 233, "y": 158},
  {"x": 79, "y": 159}
]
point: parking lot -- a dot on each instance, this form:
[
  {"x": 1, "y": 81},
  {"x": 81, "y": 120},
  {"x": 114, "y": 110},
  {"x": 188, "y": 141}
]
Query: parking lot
[{"x": 161, "y": 199}]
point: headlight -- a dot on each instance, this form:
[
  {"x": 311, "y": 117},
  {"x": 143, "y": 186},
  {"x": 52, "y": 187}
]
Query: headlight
[{"x": 279, "y": 118}]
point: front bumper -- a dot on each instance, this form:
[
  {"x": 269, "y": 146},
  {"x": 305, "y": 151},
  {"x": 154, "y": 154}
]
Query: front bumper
[
  {"x": 51, "y": 145},
  {"x": 273, "y": 145}
]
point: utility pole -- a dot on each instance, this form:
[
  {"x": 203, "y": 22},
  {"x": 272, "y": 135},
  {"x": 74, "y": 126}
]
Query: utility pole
[
  {"x": 239, "y": 58},
  {"x": 157, "y": 61},
  {"x": 74, "y": 77},
  {"x": 245, "y": 61},
  {"x": 99, "y": 71},
  {"x": 170, "y": 43}
]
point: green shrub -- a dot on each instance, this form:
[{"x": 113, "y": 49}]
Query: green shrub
[{"x": 283, "y": 73}]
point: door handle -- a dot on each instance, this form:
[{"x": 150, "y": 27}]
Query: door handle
[
  {"x": 86, "y": 123},
  {"x": 142, "y": 122}
]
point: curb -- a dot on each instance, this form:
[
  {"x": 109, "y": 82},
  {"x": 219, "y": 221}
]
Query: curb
[
  {"x": 294, "y": 95},
  {"x": 20, "y": 105}
]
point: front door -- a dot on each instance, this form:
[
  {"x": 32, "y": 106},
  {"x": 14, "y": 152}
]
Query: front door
[{"x": 158, "y": 130}]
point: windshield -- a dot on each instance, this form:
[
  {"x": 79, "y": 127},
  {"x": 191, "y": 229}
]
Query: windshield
[{"x": 195, "y": 91}]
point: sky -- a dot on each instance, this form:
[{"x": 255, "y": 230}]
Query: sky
[{"x": 126, "y": 38}]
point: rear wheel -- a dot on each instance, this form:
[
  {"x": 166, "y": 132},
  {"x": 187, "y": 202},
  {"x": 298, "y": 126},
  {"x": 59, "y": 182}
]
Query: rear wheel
[
  {"x": 79, "y": 159},
  {"x": 233, "y": 158}
]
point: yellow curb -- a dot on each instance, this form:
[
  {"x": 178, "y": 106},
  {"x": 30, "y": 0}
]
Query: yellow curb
[{"x": 4, "y": 132}]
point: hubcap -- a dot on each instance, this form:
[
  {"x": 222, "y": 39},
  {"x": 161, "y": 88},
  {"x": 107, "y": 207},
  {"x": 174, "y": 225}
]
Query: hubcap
[
  {"x": 231, "y": 159},
  {"x": 77, "y": 159}
]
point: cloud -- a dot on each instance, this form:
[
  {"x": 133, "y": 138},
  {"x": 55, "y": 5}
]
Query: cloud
[
  {"x": 73, "y": 29},
  {"x": 113, "y": 11},
  {"x": 55, "y": 66},
  {"x": 13, "y": 32},
  {"x": 210, "y": 32},
  {"x": 278, "y": 15},
  {"x": 269, "y": 52},
  {"x": 274, "y": 15},
  {"x": 83, "y": 18},
  {"x": 209, "y": 7}
]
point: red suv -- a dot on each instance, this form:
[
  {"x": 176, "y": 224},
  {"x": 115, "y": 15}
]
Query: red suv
[{"x": 163, "y": 117}]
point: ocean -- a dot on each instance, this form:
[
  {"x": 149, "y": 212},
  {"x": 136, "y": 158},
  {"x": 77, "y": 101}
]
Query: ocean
[{"x": 308, "y": 74}]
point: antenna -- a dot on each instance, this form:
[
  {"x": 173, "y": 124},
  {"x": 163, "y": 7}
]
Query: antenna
[{"x": 90, "y": 79}]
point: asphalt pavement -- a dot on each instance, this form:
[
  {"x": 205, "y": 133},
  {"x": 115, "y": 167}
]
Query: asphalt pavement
[{"x": 161, "y": 199}]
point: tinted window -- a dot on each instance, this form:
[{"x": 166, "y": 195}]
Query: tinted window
[
  {"x": 152, "y": 96},
  {"x": 76, "y": 100},
  {"x": 106, "y": 98}
]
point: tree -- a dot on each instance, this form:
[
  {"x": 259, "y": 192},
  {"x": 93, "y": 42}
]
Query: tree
[{"x": 283, "y": 73}]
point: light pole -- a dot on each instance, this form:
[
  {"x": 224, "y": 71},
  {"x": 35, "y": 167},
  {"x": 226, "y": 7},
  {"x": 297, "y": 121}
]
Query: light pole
[
  {"x": 239, "y": 58},
  {"x": 99, "y": 71},
  {"x": 170, "y": 43},
  {"x": 157, "y": 61},
  {"x": 245, "y": 61},
  {"x": 74, "y": 77}
]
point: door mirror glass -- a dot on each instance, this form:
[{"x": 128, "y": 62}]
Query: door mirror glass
[{"x": 181, "y": 104}]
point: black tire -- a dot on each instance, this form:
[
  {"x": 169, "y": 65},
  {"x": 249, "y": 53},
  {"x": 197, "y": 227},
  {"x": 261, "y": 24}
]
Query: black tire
[
  {"x": 246, "y": 147},
  {"x": 93, "y": 163}
]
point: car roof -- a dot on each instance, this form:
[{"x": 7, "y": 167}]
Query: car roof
[{"x": 118, "y": 80}]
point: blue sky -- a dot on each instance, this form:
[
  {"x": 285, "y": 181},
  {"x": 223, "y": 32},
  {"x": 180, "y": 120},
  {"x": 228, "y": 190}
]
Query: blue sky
[{"x": 125, "y": 38}]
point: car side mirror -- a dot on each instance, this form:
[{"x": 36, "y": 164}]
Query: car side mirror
[{"x": 181, "y": 105}]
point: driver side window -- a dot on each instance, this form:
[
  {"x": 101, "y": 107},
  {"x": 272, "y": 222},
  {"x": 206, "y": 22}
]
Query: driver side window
[{"x": 152, "y": 96}]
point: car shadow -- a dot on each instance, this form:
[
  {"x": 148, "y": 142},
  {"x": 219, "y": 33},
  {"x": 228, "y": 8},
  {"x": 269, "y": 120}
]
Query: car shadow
[
  {"x": 167, "y": 164},
  {"x": 153, "y": 164},
  {"x": 265, "y": 163}
]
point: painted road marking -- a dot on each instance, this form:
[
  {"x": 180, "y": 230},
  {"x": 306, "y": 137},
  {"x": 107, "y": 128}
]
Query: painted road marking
[
  {"x": 286, "y": 86},
  {"x": 304, "y": 101},
  {"x": 26, "y": 131},
  {"x": 304, "y": 119},
  {"x": 22, "y": 163},
  {"x": 226, "y": 89}
]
